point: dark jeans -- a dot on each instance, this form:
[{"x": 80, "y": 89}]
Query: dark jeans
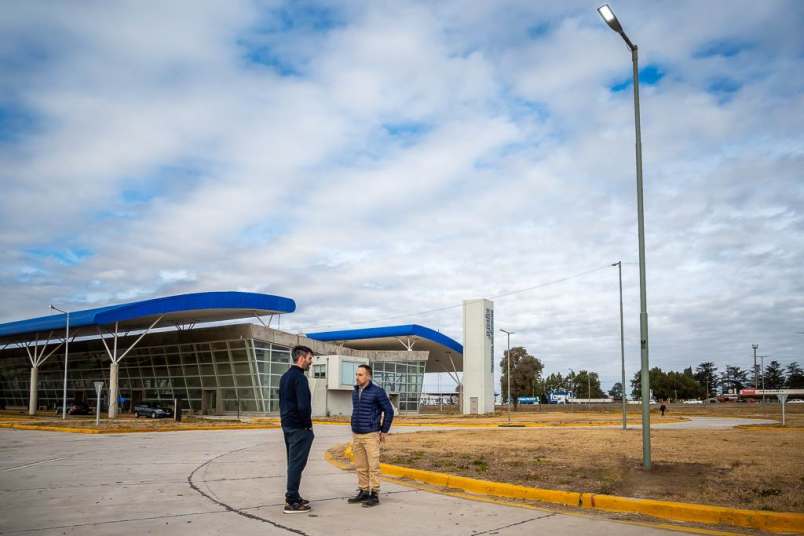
[{"x": 297, "y": 443}]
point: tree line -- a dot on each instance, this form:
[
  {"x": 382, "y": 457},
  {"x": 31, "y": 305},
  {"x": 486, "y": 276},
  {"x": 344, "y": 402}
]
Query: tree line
[{"x": 705, "y": 381}]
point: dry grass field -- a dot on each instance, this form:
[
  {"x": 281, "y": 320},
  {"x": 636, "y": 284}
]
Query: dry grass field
[{"x": 742, "y": 468}]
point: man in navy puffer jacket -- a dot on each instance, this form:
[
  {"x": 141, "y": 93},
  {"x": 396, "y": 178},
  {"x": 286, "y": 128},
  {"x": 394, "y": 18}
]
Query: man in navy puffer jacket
[{"x": 372, "y": 414}]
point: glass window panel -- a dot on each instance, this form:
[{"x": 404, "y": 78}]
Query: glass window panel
[
  {"x": 224, "y": 368},
  {"x": 160, "y": 372},
  {"x": 204, "y": 357},
  {"x": 178, "y": 382},
  {"x": 209, "y": 381},
  {"x": 193, "y": 381},
  {"x": 175, "y": 371},
  {"x": 218, "y": 345},
  {"x": 274, "y": 382},
  {"x": 248, "y": 405},
  {"x": 228, "y": 394},
  {"x": 158, "y": 361},
  {"x": 225, "y": 381},
  {"x": 244, "y": 381},
  {"x": 279, "y": 368},
  {"x": 207, "y": 370},
  {"x": 242, "y": 368},
  {"x": 239, "y": 355}
]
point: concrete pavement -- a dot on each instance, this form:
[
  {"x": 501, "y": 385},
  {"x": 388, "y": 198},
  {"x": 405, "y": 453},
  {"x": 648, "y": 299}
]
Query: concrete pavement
[{"x": 230, "y": 482}]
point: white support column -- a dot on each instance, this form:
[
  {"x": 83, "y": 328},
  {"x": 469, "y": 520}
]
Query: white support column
[
  {"x": 34, "y": 399},
  {"x": 116, "y": 362},
  {"x": 113, "y": 390}
]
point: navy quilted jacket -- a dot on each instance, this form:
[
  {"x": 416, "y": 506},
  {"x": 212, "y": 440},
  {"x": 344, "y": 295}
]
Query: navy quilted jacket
[{"x": 368, "y": 408}]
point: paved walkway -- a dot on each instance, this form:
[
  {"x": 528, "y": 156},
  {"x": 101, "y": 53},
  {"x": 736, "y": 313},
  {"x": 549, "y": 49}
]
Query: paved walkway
[{"x": 230, "y": 482}]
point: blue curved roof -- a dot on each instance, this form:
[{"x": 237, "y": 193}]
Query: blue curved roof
[
  {"x": 185, "y": 308},
  {"x": 446, "y": 354},
  {"x": 408, "y": 330}
]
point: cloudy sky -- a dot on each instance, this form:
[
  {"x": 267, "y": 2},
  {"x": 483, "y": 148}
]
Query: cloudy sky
[{"x": 380, "y": 162}]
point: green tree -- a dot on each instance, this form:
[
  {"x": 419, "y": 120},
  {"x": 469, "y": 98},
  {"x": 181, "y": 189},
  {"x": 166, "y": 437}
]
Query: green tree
[
  {"x": 733, "y": 379},
  {"x": 616, "y": 392},
  {"x": 583, "y": 381},
  {"x": 795, "y": 376},
  {"x": 526, "y": 371},
  {"x": 707, "y": 377},
  {"x": 774, "y": 375},
  {"x": 554, "y": 381}
]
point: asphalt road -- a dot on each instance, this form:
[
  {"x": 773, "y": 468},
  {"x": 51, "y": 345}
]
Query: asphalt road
[{"x": 232, "y": 482}]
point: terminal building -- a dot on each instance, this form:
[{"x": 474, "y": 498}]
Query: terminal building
[{"x": 153, "y": 350}]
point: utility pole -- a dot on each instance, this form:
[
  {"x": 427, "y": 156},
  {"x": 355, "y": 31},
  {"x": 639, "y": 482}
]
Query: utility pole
[
  {"x": 755, "y": 347},
  {"x": 508, "y": 372},
  {"x": 619, "y": 265}
]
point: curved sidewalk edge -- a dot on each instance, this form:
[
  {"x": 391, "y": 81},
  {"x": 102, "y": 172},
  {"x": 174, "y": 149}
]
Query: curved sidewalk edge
[{"x": 778, "y": 522}]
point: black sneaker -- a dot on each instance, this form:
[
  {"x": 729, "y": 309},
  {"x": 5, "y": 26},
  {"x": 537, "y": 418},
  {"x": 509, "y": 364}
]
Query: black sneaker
[
  {"x": 372, "y": 500},
  {"x": 361, "y": 496},
  {"x": 296, "y": 508},
  {"x": 305, "y": 502}
]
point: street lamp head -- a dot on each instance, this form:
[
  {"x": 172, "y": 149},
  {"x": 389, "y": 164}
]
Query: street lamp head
[{"x": 610, "y": 18}]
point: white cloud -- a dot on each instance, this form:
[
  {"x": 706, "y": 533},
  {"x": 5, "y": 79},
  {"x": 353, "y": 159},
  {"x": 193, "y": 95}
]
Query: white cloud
[{"x": 513, "y": 166}]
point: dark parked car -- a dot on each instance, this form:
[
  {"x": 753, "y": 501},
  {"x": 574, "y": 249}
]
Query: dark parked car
[
  {"x": 154, "y": 410},
  {"x": 75, "y": 408}
]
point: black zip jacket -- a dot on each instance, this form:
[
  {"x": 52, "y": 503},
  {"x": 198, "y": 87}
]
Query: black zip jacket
[{"x": 295, "y": 409}]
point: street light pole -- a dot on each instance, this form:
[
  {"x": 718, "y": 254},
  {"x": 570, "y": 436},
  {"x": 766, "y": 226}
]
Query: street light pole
[
  {"x": 66, "y": 356},
  {"x": 508, "y": 373},
  {"x": 755, "y": 347},
  {"x": 611, "y": 19},
  {"x": 619, "y": 265}
]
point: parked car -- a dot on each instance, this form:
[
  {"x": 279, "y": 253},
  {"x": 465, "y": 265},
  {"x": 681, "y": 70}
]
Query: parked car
[
  {"x": 75, "y": 408},
  {"x": 154, "y": 410},
  {"x": 693, "y": 401}
]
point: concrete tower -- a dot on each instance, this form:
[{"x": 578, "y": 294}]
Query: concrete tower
[{"x": 478, "y": 357}]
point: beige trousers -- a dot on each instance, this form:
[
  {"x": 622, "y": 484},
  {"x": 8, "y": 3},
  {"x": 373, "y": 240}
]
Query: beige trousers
[{"x": 366, "y": 449}]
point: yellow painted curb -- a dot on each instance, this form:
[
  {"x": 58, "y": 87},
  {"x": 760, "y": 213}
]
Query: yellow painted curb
[
  {"x": 779, "y": 522},
  {"x": 499, "y": 425},
  {"x": 95, "y": 431}
]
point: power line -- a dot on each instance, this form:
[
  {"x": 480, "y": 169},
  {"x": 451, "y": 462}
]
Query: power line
[{"x": 448, "y": 307}]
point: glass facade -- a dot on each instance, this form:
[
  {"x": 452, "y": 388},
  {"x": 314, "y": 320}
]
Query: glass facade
[
  {"x": 229, "y": 375},
  {"x": 402, "y": 377}
]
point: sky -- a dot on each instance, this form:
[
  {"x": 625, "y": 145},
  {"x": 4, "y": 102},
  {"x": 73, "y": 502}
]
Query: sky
[{"x": 381, "y": 162}]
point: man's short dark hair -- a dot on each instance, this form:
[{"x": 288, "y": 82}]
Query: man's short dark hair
[
  {"x": 300, "y": 351},
  {"x": 368, "y": 369}
]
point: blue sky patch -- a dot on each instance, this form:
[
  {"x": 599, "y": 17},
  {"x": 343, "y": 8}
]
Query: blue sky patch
[
  {"x": 723, "y": 88},
  {"x": 407, "y": 129},
  {"x": 649, "y": 75},
  {"x": 64, "y": 255},
  {"x": 15, "y": 122},
  {"x": 726, "y": 48},
  {"x": 266, "y": 56},
  {"x": 538, "y": 30}
]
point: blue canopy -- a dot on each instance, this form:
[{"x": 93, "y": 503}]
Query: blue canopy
[
  {"x": 184, "y": 309},
  {"x": 446, "y": 354}
]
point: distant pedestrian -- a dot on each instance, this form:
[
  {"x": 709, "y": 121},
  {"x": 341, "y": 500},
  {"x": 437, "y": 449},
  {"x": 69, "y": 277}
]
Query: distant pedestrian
[
  {"x": 297, "y": 425},
  {"x": 372, "y": 414},
  {"x": 663, "y": 408}
]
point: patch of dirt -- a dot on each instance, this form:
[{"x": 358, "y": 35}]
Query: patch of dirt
[{"x": 742, "y": 468}]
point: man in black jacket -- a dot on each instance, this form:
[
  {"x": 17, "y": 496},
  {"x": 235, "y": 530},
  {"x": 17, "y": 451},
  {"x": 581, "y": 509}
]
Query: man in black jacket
[{"x": 297, "y": 425}]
